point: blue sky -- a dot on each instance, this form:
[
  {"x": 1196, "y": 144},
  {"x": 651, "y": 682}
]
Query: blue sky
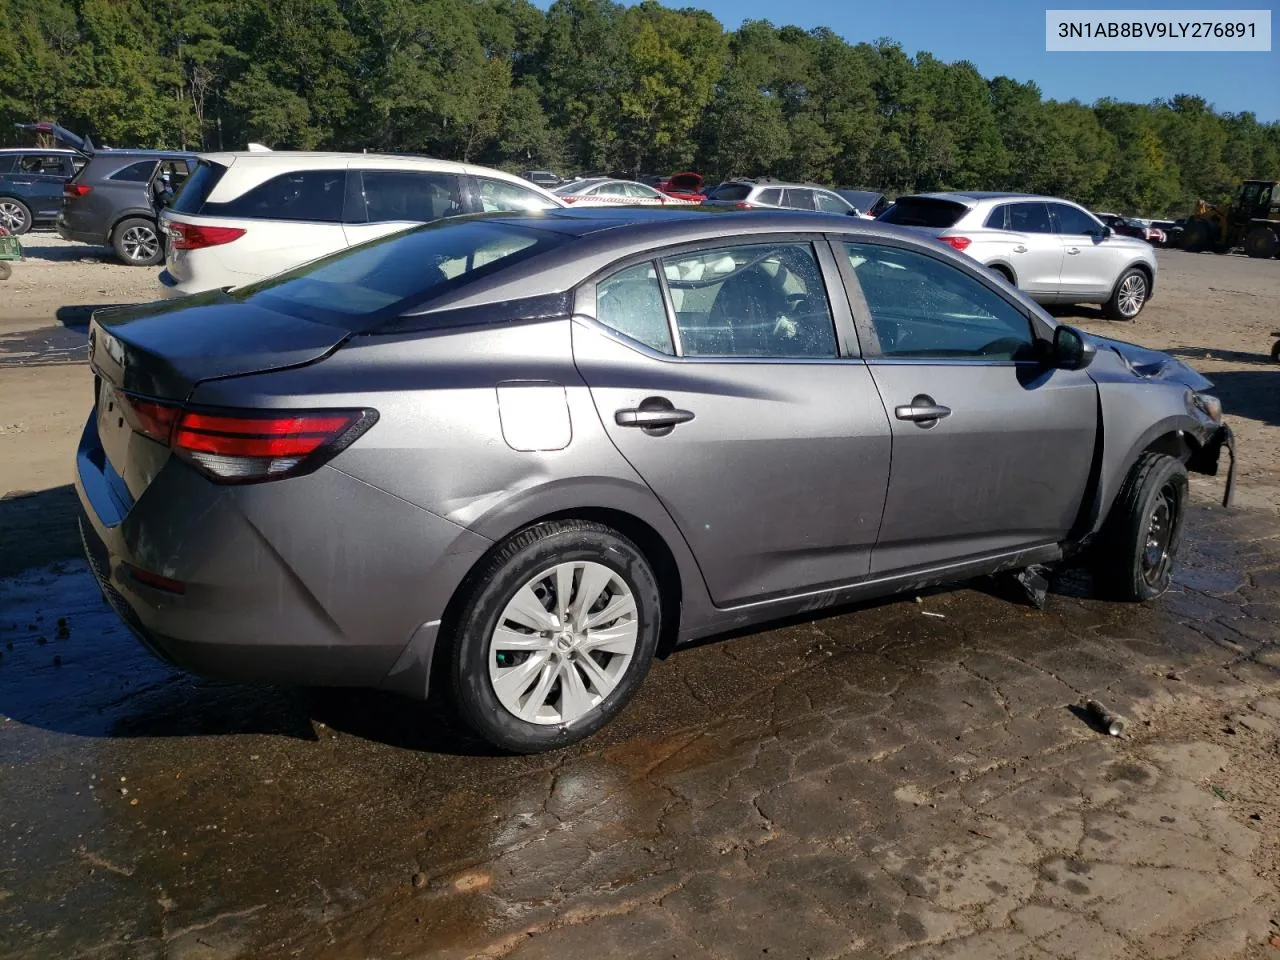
[{"x": 1007, "y": 37}]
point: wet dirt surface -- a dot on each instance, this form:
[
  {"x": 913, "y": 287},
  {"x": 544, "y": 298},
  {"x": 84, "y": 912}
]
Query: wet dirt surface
[
  {"x": 906, "y": 779},
  {"x": 879, "y": 782}
]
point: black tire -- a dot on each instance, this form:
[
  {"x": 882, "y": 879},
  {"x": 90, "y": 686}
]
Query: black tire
[
  {"x": 15, "y": 216},
  {"x": 1261, "y": 243},
  {"x": 521, "y": 558},
  {"x": 137, "y": 242},
  {"x": 1134, "y": 555},
  {"x": 1197, "y": 236},
  {"x": 1133, "y": 283},
  {"x": 1275, "y": 351}
]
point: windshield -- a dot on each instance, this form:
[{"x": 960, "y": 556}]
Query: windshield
[{"x": 381, "y": 279}]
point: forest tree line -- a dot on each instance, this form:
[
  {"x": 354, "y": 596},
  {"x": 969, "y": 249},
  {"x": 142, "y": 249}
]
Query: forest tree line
[{"x": 594, "y": 85}]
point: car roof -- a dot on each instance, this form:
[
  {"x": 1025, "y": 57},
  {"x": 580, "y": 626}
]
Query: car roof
[
  {"x": 62, "y": 150},
  {"x": 976, "y": 195},
  {"x": 601, "y": 236},
  {"x": 105, "y": 153}
]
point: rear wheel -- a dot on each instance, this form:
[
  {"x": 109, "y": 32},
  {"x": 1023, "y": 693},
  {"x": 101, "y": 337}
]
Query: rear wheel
[
  {"x": 555, "y": 637},
  {"x": 137, "y": 242},
  {"x": 15, "y": 216},
  {"x": 1129, "y": 296},
  {"x": 1197, "y": 236},
  {"x": 1261, "y": 243},
  {"x": 1134, "y": 555}
]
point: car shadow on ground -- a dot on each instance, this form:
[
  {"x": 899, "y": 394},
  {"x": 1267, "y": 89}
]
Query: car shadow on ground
[
  {"x": 38, "y": 528},
  {"x": 72, "y": 253},
  {"x": 1249, "y": 393},
  {"x": 1262, "y": 357}
]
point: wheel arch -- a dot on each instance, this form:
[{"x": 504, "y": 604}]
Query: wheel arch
[
  {"x": 131, "y": 214},
  {"x": 1005, "y": 269}
]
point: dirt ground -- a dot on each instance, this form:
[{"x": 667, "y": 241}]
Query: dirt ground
[{"x": 877, "y": 783}]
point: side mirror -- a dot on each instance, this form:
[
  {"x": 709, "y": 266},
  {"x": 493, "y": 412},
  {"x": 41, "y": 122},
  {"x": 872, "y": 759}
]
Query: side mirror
[
  {"x": 853, "y": 212},
  {"x": 1106, "y": 232},
  {"x": 1071, "y": 351}
]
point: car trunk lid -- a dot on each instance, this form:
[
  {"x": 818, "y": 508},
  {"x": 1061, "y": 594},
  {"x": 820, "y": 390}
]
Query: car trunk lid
[
  {"x": 82, "y": 145},
  {"x": 162, "y": 350}
]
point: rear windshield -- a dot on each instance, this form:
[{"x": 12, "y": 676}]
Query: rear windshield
[
  {"x": 196, "y": 190},
  {"x": 366, "y": 284},
  {"x": 730, "y": 191},
  {"x": 924, "y": 212}
]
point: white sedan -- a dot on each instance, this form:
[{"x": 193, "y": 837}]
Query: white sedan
[{"x": 607, "y": 192}]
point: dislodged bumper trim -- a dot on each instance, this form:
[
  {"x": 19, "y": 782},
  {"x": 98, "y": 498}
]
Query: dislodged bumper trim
[{"x": 1205, "y": 460}]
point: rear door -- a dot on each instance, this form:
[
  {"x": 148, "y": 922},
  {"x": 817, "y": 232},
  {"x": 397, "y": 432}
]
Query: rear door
[
  {"x": 1034, "y": 251},
  {"x": 38, "y": 179},
  {"x": 991, "y": 449},
  {"x": 384, "y": 199},
  {"x": 287, "y": 219},
  {"x": 719, "y": 375}
]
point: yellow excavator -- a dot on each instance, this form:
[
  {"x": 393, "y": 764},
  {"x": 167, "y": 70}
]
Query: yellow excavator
[{"x": 1252, "y": 222}]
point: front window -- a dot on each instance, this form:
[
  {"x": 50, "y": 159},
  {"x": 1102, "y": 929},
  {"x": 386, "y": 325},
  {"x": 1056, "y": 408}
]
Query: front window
[
  {"x": 829, "y": 203},
  {"x": 751, "y": 300},
  {"x": 1077, "y": 222},
  {"x": 923, "y": 308},
  {"x": 386, "y": 277}
]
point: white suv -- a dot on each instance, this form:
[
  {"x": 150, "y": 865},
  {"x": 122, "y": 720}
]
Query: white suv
[
  {"x": 243, "y": 216},
  {"x": 1054, "y": 250}
]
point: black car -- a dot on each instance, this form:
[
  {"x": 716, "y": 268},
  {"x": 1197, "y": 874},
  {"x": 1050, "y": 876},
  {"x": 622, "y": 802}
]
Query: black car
[
  {"x": 543, "y": 178},
  {"x": 872, "y": 203},
  {"x": 115, "y": 198},
  {"x": 31, "y": 179}
]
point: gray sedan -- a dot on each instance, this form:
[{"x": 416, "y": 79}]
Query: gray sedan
[{"x": 533, "y": 451}]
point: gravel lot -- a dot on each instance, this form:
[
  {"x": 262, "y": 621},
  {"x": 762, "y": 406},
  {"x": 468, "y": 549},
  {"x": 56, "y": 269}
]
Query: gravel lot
[{"x": 878, "y": 783}]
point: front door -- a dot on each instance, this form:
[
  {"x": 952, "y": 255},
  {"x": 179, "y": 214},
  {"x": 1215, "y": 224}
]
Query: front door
[
  {"x": 1090, "y": 265},
  {"x": 991, "y": 449},
  {"x": 768, "y": 448}
]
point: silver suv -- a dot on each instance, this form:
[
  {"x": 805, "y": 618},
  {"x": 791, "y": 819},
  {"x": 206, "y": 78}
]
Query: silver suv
[
  {"x": 749, "y": 194},
  {"x": 1054, "y": 250}
]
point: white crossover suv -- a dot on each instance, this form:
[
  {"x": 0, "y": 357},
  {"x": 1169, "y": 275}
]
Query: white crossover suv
[
  {"x": 241, "y": 217},
  {"x": 1054, "y": 250}
]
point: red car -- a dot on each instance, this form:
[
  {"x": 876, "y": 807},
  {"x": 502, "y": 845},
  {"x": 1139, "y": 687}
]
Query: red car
[{"x": 683, "y": 186}]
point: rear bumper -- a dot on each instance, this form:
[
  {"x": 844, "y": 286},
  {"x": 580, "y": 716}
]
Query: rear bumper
[
  {"x": 276, "y": 588},
  {"x": 171, "y": 287},
  {"x": 66, "y": 232}
]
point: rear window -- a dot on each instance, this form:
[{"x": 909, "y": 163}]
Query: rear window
[
  {"x": 308, "y": 195},
  {"x": 730, "y": 191},
  {"x": 139, "y": 172},
  {"x": 363, "y": 285},
  {"x": 6, "y": 162},
  {"x": 924, "y": 212},
  {"x": 195, "y": 191}
]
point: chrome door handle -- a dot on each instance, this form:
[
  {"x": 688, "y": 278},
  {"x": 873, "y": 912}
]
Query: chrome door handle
[
  {"x": 656, "y": 416},
  {"x": 922, "y": 410},
  {"x": 1073, "y": 250},
  {"x": 1019, "y": 249}
]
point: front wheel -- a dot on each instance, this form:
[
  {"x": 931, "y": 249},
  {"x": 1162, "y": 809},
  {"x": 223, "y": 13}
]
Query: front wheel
[
  {"x": 555, "y": 637},
  {"x": 1135, "y": 552},
  {"x": 137, "y": 242},
  {"x": 1261, "y": 243},
  {"x": 1129, "y": 296}
]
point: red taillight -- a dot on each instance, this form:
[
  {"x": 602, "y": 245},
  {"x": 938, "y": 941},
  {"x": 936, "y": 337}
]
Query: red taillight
[
  {"x": 149, "y": 418},
  {"x": 248, "y": 446},
  {"x": 155, "y": 581},
  {"x": 959, "y": 243},
  {"x": 76, "y": 189},
  {"x": 190, "y": 236}
]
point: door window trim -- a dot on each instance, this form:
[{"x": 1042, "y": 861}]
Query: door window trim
[
  {"x": 862, "y": 310},
  {"x": 847, "y": 345}
]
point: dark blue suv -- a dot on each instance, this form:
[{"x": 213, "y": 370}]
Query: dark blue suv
[{"x": 31, "y": 180}]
